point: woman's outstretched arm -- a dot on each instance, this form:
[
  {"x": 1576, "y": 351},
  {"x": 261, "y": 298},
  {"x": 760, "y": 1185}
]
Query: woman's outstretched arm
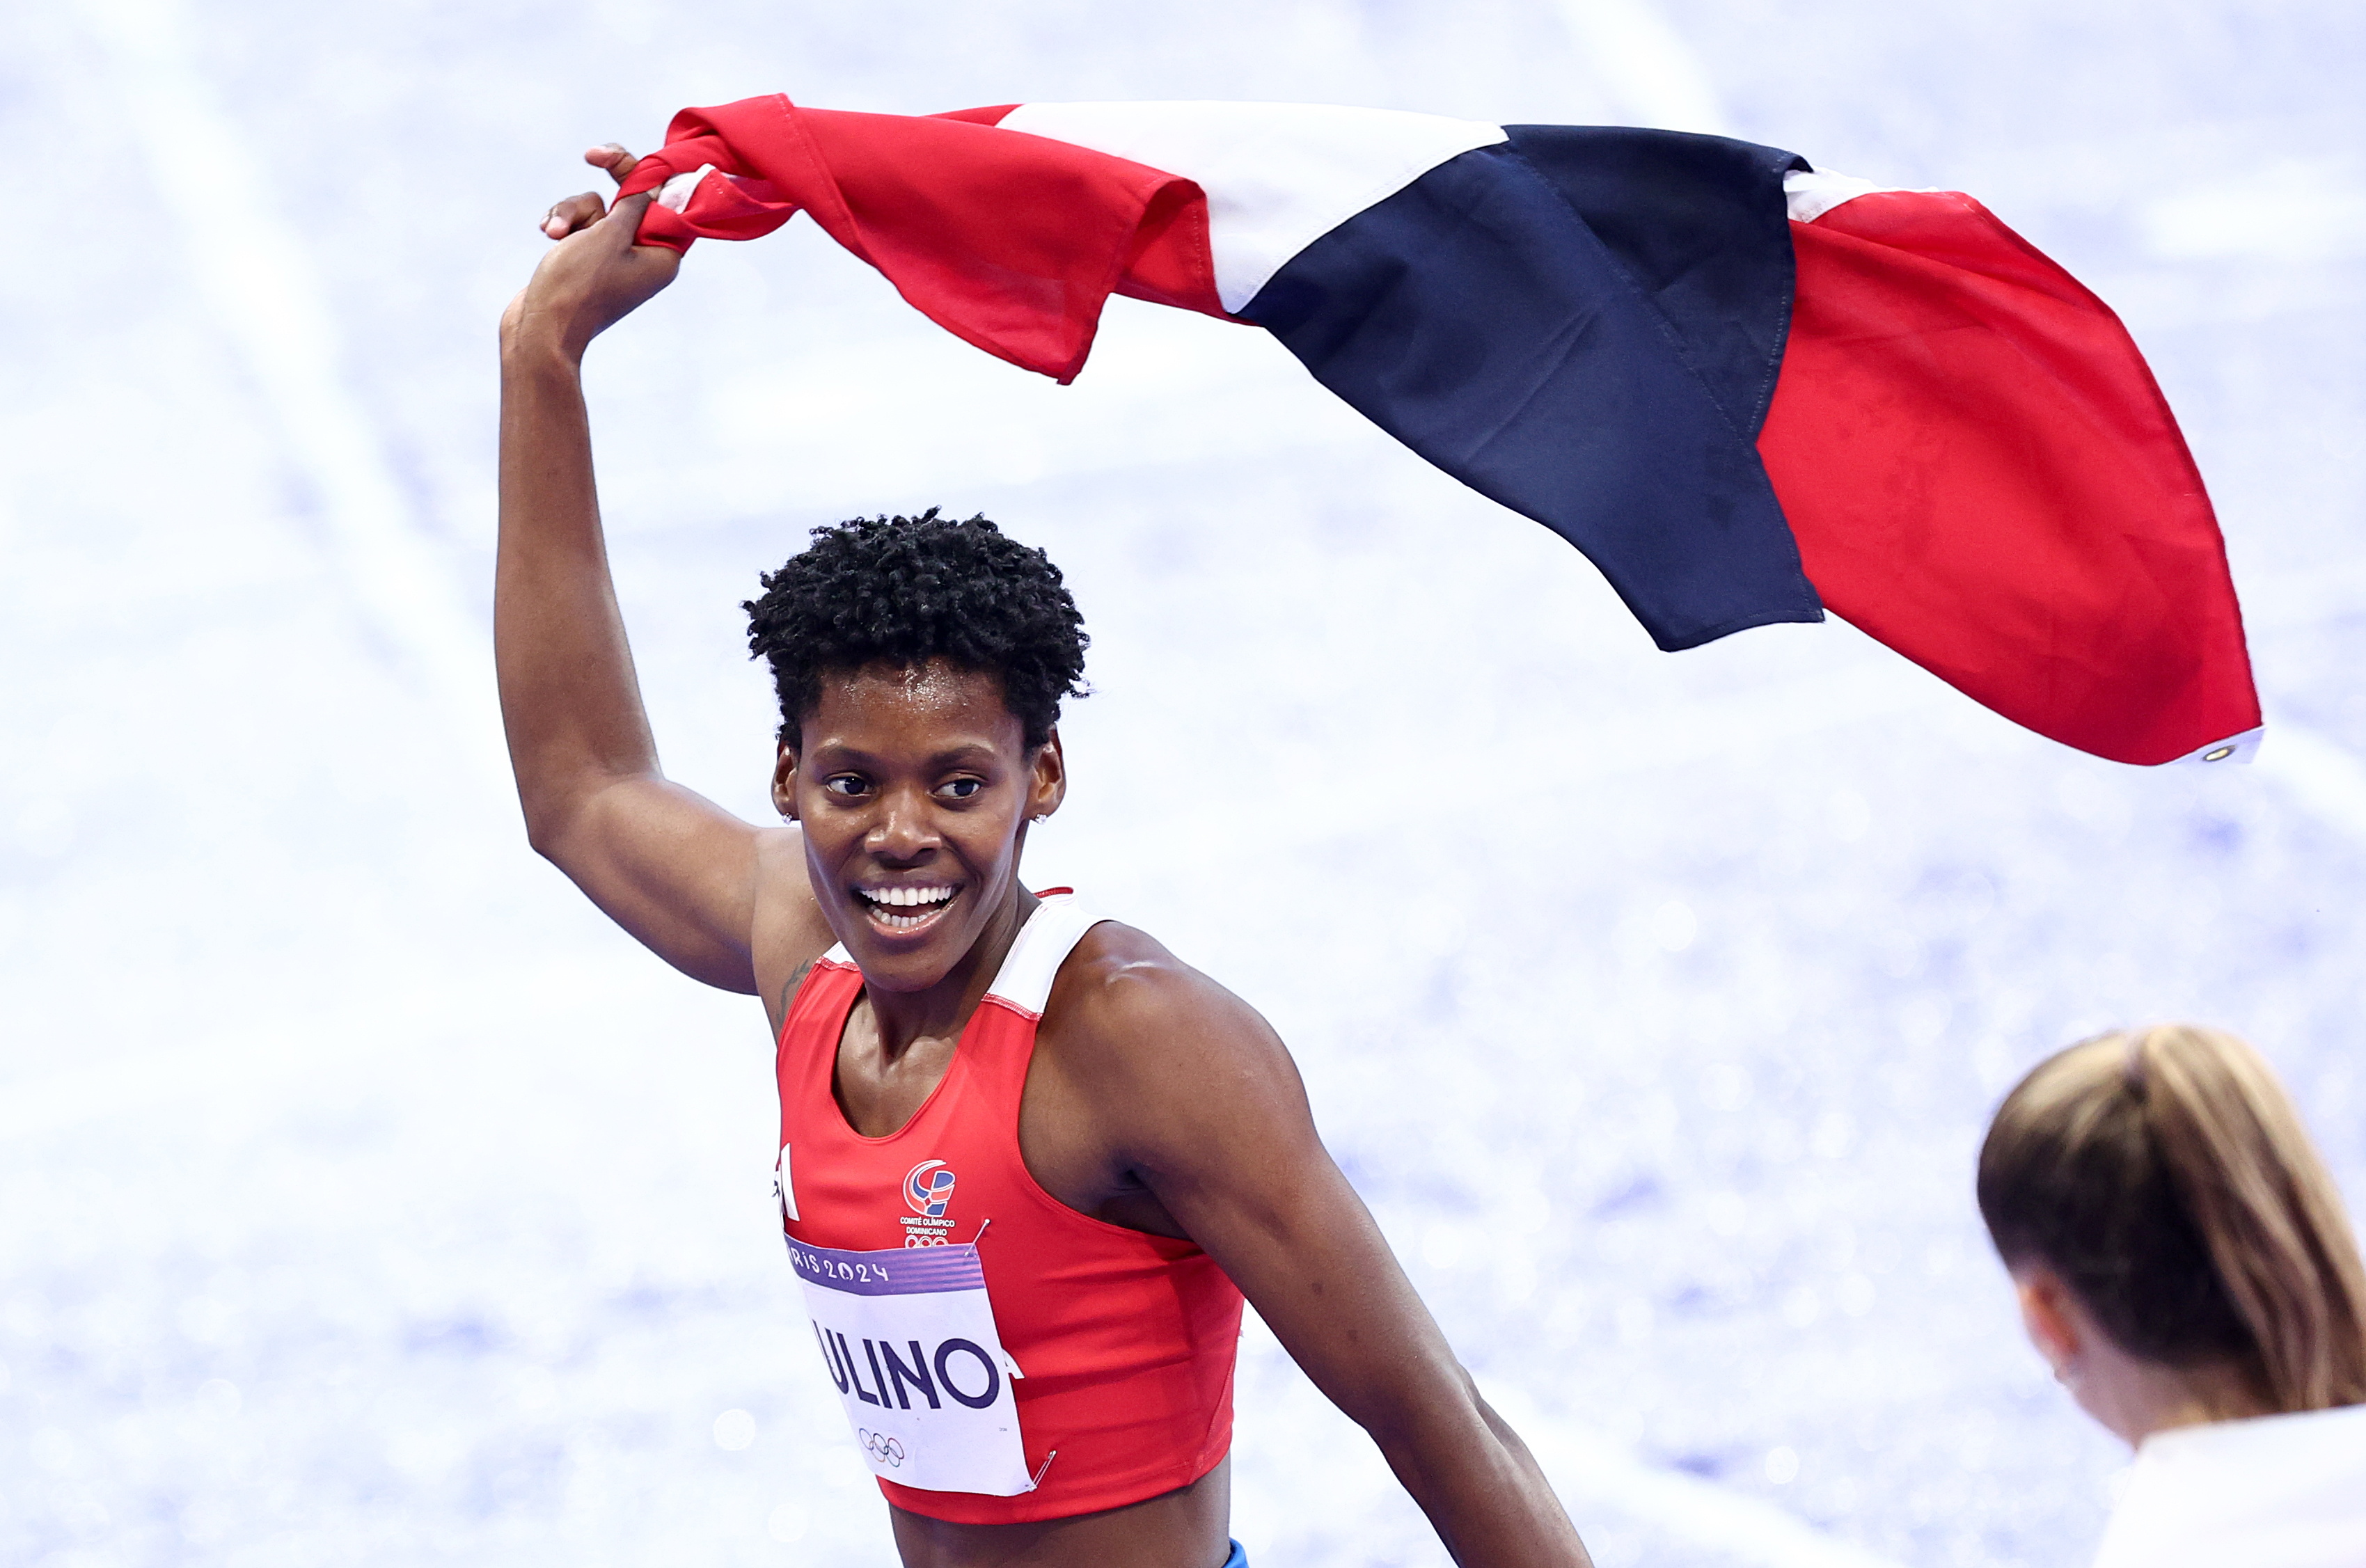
[{"x": 678, "y": 872}]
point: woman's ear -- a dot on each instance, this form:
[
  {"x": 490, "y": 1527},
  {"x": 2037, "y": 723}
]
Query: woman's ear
[
  {"x": 2049, "y": 1317},
  {"x": 785, "y": 782},
  {"x": 1047, "y": 785}
]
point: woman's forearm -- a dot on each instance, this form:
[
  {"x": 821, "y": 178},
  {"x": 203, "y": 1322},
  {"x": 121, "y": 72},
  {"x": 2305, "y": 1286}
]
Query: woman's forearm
[
  {"x": 1481, "y": 1489},
  {"x": 570, "y": 700}
]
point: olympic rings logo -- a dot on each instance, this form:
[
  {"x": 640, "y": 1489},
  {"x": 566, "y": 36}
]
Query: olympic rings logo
[{"x": 883, "y": 1449}]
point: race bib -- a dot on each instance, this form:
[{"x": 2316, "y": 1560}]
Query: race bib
[{"x": 907, "y": 1334}]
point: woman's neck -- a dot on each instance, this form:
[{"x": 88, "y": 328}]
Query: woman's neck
[{"x": 2138, "y": 1398}]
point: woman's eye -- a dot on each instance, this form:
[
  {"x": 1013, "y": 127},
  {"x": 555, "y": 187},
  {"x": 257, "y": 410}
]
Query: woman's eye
[
  {"x": 961, "y": 789},
  {"x": 844, "y": 784}
]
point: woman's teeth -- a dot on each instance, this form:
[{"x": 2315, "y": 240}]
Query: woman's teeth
[{"x": 917, "y": 905}]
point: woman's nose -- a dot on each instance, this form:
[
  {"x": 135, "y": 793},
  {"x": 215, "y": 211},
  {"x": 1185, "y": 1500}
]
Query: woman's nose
[{"x": 903, "y": 829}]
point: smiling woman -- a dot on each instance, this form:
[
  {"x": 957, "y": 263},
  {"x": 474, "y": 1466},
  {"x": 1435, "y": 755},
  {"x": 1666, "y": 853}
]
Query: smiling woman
[
  {"x": 920, "y": 664},
  {"x": 914, "y": 789},
  {"x": 1029, "y": 1164}
]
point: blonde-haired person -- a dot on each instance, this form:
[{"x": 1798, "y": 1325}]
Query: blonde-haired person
[{"x": 2183, "y": 1262}]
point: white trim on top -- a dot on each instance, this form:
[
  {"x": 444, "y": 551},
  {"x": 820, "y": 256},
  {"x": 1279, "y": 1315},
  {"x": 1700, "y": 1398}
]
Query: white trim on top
[{"x": 1044, "y": 944}]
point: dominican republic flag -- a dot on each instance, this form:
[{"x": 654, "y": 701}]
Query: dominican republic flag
[{"x": 1748, "y": 390}]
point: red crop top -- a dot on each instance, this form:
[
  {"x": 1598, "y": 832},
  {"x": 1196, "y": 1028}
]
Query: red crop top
[{"x": 1123, "y": 1343}]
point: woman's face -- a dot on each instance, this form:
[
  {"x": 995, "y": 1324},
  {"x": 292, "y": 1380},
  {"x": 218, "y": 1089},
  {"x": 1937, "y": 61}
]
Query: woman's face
[{"x": 914, "y": 787}]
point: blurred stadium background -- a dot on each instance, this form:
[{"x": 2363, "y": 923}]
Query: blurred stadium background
[{"x": 366, "y": 1199}]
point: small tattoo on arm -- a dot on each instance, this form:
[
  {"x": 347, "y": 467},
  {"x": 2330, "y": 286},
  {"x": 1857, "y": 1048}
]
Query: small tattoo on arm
[{"x": 788, "y": 991}]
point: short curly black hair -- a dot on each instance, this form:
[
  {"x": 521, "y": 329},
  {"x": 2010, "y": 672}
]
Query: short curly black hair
[{"x": 903, "y": 591}]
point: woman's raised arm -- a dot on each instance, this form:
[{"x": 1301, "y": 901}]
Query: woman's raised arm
[{"x": 677, "y": 871}]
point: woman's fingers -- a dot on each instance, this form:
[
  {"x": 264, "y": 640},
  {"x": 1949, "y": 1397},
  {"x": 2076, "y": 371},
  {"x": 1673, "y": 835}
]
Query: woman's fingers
[
  {"x": 576, "y": 212},
  {"x": 608, "y": 155},
  {"x": 579, "y": 212}
]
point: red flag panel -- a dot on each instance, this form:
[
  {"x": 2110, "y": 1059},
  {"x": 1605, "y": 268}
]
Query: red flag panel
[
  {"x": 1012, "y": 242},
  {"x": 1983, "y": 475}
]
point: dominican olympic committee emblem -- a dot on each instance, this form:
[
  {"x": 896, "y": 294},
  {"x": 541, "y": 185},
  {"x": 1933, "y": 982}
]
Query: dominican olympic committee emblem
[{"x": 929, "y": 1192}]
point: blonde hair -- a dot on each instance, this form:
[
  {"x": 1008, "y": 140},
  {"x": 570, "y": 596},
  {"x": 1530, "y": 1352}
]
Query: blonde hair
[{"x": 2165, "y": 1175}]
